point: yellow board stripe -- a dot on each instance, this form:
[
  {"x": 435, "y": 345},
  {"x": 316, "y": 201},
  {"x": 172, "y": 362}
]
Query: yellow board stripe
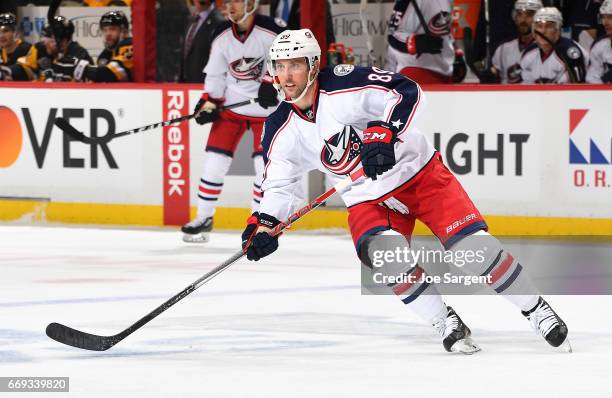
[{"x": 234, "y": 218}]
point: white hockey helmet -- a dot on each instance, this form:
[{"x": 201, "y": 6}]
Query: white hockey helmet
[
  {"x": 606, "y": 7},
  {"x": 291, "y": 44},
  {"x": 527, "y": 5},
  {"x": 246, "y": 11},
  {"x": 548, "y": 14}
]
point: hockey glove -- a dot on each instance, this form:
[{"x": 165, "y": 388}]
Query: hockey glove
[
  {"x": 377, "y": 152},
  {"x": 489, "y": 76},
  {"x": 71, "y": 66},
  {"x": 267, "y": 95},
  {"x": 5, "y": 73},
  {"x": 607, "y": 77},
  {"x": 419, "y": 44},
  {"x": 256, "y": 242},
  {"x": 459, "y": 66},
  {"x": 207, "y": 109}
]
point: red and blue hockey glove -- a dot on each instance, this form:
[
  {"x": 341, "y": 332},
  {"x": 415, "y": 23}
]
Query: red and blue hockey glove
[
  {"x": 256, "y": 241},
  {"x": 207, "y": 108},
  {"x": 377, "y": 152}
]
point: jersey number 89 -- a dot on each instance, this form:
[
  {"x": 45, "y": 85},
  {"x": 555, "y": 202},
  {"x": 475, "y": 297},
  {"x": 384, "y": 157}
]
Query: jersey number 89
[{"x": 382, "y": 75}]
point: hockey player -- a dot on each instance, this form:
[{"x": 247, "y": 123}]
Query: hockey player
[
  {"x": 11, "y": 46},
  {"x": 55, "y": 47},
  {"x": 338, "y": 120},
  {"x": 236, "y": 71},
  {"x": 420, "y": 41},
  {"x": 600, "y": 59},
  {"x": 507, "y": 57},
  {"x": 115, "y": 62},
  {"x": 552, "y": 58},
  {"x": 36, "y": 64}
]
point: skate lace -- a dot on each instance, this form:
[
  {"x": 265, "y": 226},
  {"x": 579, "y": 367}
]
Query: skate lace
[
  {"x": 445, "y": 326},
  {"x": 543, "y": 320}
]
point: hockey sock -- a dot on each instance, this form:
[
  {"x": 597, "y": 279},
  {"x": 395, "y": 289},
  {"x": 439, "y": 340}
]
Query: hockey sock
[
  {"x": 507, "y": 277},
  {"x": 214, "y": 169}
]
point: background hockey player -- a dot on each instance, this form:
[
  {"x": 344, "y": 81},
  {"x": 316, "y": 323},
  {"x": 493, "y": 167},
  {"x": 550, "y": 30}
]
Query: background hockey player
[
  {"x": 338, "y": 120},
  {"x": 115, "y": 62},
  {"x": 552, "y": 58},
  {"x": 36, "y": 64},
  {"x": 236, "y": 71},
  {"x": 507, "y": 57},
  {"x": 420, "y": 41},
  {"x": 11, "y": 46},
  {"x": 600, "y": 59},
  {"x": 56, "y": 46}
]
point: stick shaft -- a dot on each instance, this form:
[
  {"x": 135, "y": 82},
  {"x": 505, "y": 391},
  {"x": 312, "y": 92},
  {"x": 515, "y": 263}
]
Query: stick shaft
[
  {"x": 178, "y": 119},
  {"x": 73, "y": 337}
]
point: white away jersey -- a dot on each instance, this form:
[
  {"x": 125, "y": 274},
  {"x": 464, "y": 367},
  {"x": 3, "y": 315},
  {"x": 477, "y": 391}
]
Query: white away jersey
[
  {"x": 328, "y": 137},
  {"x": 507, "y": 60},
  {"x": 600, "y": 60},
  {"x": 236, "y": 65},
  {"x": 565, "y": 64},
  {"x": 405, "y": 22}
]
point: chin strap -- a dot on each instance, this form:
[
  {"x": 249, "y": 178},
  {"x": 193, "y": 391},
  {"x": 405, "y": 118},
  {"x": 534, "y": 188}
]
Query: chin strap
[
  {"x": 310, "y": 81},
  {"x": 244, "y": 17}
]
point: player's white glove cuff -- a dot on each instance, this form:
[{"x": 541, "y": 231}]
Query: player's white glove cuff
[{"x": 79, "y": 69}]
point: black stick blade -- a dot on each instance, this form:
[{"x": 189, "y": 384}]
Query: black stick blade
[
  {"x": 71, "y": 131},
  {"x": 69, "y": 336}
]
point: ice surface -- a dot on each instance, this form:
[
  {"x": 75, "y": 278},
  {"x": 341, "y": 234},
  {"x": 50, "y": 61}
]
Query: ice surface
[{"x": 292, "y": 325}]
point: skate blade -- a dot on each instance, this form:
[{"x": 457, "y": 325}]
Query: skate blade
[
  {"x": 566, "y": 346},
  {"x": 465, "y": 346},
  {"x": 197, "y": 238}
]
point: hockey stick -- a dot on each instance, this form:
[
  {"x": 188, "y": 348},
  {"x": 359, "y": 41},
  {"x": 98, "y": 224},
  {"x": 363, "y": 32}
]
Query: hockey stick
[
  {"x": 487, "y": 36},
  {"x": 52, "y": 10},
  {"x": 67, "y": 128},
  {"x": 364, "y": 27},
  {"x": 69, "y": 336},
  {"x": 468, "y": 46}
]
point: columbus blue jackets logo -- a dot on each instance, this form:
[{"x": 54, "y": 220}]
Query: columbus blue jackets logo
[
  {"x": 340, "y": 154},
  {"x": 440, "y": 24},
  {"x": 247, "y": 68}
]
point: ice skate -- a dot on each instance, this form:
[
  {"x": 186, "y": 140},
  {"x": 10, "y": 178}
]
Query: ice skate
[
  {"x": 197, "y": 231},
  {"x": 455, "y": 334},
  {"x": 545, "y": 321}
]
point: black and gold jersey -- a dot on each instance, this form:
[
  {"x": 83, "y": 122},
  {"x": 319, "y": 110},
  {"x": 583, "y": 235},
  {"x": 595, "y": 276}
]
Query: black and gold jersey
[
  {"x": 114, "y": 65},
  {"x": 8, "y": 59}
]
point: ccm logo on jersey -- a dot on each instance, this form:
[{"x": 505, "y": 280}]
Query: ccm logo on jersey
[
  {"x": 459, "y": 223},
  {"x": 340, "y": 154},
  {"x": 247, "y": 68}
]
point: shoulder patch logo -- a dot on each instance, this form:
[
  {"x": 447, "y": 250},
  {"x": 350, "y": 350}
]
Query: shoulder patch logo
[
  {"x": 343, "y": 69},
  {"x": 340, "y": 154},
  {"x": 573, "y": 52}
]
